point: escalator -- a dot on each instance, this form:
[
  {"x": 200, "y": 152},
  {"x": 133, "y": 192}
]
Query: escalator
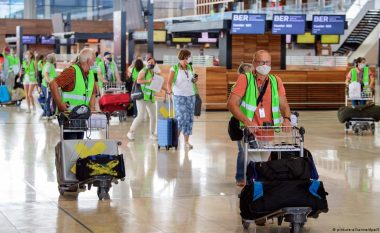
[{"x": 360, "y": 33}]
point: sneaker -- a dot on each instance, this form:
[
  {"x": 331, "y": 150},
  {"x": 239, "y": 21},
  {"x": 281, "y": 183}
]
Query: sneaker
[
  {"x": 130, "y": 136},
  {"x": 28, "y": 111},
  {"x": 240, "y": 183},
  {"x": 153, "y": 137},
  {"x": 45, "y": 117},
  {"x": 188, "y": 146}
]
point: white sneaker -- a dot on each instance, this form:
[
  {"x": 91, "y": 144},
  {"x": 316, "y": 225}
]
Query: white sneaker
[
  {"x": 130, "y": 136},
  {"x": 188, "y": 146},
  {"x": 45, "y": 118},
  {"x": 153, "y": 137},
  {"x": 28, "y": 111}
]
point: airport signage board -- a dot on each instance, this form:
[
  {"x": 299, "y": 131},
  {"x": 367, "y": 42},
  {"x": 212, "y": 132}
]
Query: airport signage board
[
  {"x": 328, "y": 24},
  {"x": 283, "y": 24},
  {"x": 248, "y": 23}
]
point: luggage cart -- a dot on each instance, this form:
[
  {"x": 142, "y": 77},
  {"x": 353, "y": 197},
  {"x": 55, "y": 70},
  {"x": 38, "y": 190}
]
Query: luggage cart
[
  {"x": 281, "y": 139},
  {"x": 117, "y": 88},
  {"x": 360, "y": 125},
  {"x": 66, "y": 158}
]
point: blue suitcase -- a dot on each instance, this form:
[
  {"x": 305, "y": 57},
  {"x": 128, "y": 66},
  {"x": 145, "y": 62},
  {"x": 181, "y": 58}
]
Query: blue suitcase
[
  {"x": 167, "y": 128},
  {"x": 5, "y": 97}
]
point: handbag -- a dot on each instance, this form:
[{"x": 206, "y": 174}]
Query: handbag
[
  {"x": 136, "y": 93},
  {"x": 198, "y": 105},
  {"x": 234, "y": 130}
]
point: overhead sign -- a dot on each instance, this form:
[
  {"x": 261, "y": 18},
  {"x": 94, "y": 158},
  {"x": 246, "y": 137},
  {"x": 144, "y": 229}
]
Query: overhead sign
[
  {"x": 29, "y": 40},
  {"x": 248, "y": 23},
  {"x": 288, "y": 24},
  {"x": 328, "y": 24}
]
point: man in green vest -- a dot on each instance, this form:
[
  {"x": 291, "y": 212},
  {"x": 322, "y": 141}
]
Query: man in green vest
[
  {"x": 362, "y": 74},
  {"x": 48, "y": 75},
  {"x": 272, "y": 108},
  {"x": 8, "y": 74},
  {"x": 109, "y": 69},
  {"x": 77, "y": 85}
]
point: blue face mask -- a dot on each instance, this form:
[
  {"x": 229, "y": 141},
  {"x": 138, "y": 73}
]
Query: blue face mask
[{"x": 150, "y": 66}]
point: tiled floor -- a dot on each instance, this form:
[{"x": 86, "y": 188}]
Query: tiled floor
[{"x": 176, "y": 191}]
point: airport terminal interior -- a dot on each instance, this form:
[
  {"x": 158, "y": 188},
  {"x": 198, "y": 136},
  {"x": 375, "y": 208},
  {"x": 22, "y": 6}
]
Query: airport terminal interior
[{"x": 122, "y": 169}]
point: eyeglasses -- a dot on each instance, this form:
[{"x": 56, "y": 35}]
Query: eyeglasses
[{"x": 263, "y": 62}]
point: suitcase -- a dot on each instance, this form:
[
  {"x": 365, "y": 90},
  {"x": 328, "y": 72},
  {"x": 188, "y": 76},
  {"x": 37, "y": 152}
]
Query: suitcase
[
  {"x": 114, "y": 102},
  {"x": 67, "y": 155},
  {"x": 99, "y": 165},
  {"x": 167, "y": 129},
  {"x": 4, "y": 94}
]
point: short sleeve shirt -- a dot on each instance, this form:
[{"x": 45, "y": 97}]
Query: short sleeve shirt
[{"x": 266, "y": 103}]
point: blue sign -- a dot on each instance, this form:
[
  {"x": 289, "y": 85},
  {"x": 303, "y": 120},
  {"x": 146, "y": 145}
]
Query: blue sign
[
  {"x": 288, "y": 24},
  {"x": 328, "y": 24},
  {"x": 29, "y": 40},
  {"x": 248, "y": 23},
  {"x": 47, "y": 40}
]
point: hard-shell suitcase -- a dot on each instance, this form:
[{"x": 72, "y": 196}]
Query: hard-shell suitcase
[
  {"x": 167, "y": 130},
  {"x": 4, "y": 94},
  {"x": 114, "y": 102}
]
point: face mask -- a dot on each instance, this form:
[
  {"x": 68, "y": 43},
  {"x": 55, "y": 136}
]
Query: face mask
[
  {"x": 362, "y": 65},
  {"x": 264, "y": 69},
  {"x": 189, "y": 59},
  {"x": 26, "y": 57},
  {"x": 109, "y": 59},
  {"x": 150, "y": 66}
]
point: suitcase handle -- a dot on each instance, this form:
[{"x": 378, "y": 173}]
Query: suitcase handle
[{"x": 170, "y": 104}]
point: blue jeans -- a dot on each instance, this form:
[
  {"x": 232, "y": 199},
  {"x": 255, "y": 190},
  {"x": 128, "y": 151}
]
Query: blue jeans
[
  {"x": 48, "y": 102},
  {"x": 358, "y": 102},
  {"x": 240, "y": 161}
]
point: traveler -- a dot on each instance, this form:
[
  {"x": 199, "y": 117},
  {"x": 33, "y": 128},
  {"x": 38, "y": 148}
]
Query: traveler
[
  {"x": 147, "y": 103},
  {"x": 77, "y": 84},
  {"x": 242, "y": 104},
  {"x": 30, "y": 78},
  {"x": 49, "y": 74},
  {"x": 182, "y": 82},
  {"x": 362, "y": 74}
]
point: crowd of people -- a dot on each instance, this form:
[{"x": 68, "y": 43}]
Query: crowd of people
[{"x": 82, "y": 82}]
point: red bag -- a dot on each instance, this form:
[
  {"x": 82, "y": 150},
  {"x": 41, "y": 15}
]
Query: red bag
[{"x": 114, "y": 102}]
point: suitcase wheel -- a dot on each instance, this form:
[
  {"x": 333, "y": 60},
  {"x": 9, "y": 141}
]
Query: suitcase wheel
[
  {"x": 167, "y": 147},
  {"x": 103, "y": 193},
  {"x": 295, "y": 228},
  {"x": 176, "y": 147},
  {"x": 61, "y": 191},
  {"x": 245, "y": 225}
]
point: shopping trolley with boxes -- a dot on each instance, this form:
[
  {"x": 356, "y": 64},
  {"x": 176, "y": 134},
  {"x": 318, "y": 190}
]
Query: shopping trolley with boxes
[
  {"x": 115, "y": 100},
  {"x": 279, "y": 140},
  {"x": 84, "y": 163},
  {"x": 359, "y": 125}
]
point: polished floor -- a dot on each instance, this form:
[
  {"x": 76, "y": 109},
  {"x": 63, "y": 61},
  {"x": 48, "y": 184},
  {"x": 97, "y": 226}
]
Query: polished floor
[{"x": 176, "y": 191}]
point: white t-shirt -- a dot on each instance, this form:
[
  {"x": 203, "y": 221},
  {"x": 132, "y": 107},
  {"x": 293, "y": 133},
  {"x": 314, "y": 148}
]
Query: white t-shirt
[{"x": 183, "y": 85}]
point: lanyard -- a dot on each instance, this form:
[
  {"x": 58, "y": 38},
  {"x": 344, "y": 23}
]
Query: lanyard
[{"x": 85, "y": 79}]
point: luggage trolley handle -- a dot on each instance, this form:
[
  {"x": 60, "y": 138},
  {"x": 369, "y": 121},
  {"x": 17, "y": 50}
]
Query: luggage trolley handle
[{"x": 170, "y": 97}]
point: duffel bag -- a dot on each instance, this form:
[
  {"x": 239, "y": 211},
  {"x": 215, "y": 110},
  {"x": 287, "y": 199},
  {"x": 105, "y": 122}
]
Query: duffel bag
[
  {"x": 258, "y": 199},
  {"x": 97, "y": 165}
]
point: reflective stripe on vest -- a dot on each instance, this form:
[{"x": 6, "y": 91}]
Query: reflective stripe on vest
[
  {"x": 248, "y": 105},
  {"x": 52, "y": 73},
  {"x": 112, "y": 67},
  {"x": 365, "y": 80},
  {"x": 30, "y": 70},
  {"x": 176, "y": 69},
  {"x": 80, "y": 95},
  {"x": 148, "y": 94}
]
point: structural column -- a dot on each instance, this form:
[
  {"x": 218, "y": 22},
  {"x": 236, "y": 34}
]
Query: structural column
[{"x": 30, "y": 9}]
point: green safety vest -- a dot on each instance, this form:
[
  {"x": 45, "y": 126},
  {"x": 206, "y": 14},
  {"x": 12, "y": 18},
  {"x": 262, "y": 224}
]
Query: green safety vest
[
  {"x": 148, "y": 94},
  {"x": 248, "y": 104},
  {"x": 30, "y": 70},
  {"x": 135, "y": 74},
  {"x": 11, "y": 61},
  {"x": 176, "y": 69},
  {"x": 112, "y": 67},
  {"x": 81, "y": 94},
  {"x": 354, "y": 76},
  {"x": 52, "y": 73},
  {"x": 39, "y": 65}
]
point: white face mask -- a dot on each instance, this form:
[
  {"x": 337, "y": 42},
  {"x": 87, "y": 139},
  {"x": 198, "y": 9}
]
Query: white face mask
[
  {"x": 264, "y": 69},
  {"x": 361, "y": 65}
]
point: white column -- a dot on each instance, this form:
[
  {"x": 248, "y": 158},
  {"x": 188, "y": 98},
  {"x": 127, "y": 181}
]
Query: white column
[
  {"x": 91, "y": 9},
  {"x": 30, "y": 9},
  {"x": 47, "y": 9}
]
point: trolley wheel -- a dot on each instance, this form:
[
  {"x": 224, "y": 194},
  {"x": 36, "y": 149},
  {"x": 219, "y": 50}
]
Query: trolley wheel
[
  {"x": 245, "y": 224},
  {"x": 176, "y": 147},
  {"x": 347, "y": 124},
  {"x": 103, "y": 193},
  {"x": 61, "y": 191},
  {"x": 295, "y": 228},
  {"x": 18, "y": 103},
  {"x": 373, "y": 128},
  {"x": 279, "y": 220}
]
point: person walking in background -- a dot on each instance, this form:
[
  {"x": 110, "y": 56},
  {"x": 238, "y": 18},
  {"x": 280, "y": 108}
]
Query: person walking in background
[
  {"x": 147, "y": 103},
  {"x": 182, "y": 83},
  {"x": 109, "y": 69},
  {"x": 49, "y": 74},
  {"x": 40, "y": 64},
  {"x": 362, "y": 74},
  {"x": 133, "y": 73},
  {"x": 30, "y": 78}
]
